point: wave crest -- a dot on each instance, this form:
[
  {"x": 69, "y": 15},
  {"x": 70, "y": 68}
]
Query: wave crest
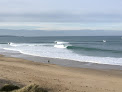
[{"x": 61, "y": 44}]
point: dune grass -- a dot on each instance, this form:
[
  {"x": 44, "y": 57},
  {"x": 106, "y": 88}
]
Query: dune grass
[
  {"x": 8, "y": 87},
  {"x": 29, "y": 88}
]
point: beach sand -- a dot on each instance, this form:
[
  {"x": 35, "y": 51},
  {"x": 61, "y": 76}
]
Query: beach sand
[{"x": 58, "y": 78}]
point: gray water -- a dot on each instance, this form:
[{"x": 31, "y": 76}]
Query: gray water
[{"x": 80, "y": 48}]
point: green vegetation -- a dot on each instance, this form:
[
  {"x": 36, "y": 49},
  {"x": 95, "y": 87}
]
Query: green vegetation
[
  {"x": 29, "y": 88},
  {"x": 8, "y": 87}
]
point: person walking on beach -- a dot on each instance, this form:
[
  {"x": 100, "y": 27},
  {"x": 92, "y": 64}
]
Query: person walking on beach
[{"x": 48, "y": 61}]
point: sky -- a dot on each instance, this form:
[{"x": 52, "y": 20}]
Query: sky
[{"x": 62, "y": 15}]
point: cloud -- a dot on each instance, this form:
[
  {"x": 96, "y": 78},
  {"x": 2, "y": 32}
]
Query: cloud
[
  {"x": 58, "y": 26},
  {"x": 60, "y": 33},
  {"x": 61, "y": 17},
  {"x": 60, "y": 11}
]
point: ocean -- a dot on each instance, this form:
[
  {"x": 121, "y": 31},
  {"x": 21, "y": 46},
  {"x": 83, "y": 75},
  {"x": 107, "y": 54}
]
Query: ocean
[{"x": 94, "y": 49}]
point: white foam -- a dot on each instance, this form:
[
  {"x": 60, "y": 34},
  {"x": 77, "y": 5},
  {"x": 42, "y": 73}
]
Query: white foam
[
  {"x": 104, "y": 40},
  {"x": 12, "y": 44},
  {"x": 61, "y": 44},
  {"x": 44, "y": 50}
]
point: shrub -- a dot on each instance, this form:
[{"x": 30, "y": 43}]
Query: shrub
[
  {"x": 9, "y": 87},
  {"x": 31, "y": 88}
]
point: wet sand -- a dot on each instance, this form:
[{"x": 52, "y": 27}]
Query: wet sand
[
  {"x": 62, "y": 62},
  {"x": 58, "y": 78}
]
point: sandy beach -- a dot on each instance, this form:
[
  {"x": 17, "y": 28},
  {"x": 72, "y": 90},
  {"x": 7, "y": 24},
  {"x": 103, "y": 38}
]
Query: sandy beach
[
  {"x": 58, "y": 78},
  {"x": 61, "y": 46}
]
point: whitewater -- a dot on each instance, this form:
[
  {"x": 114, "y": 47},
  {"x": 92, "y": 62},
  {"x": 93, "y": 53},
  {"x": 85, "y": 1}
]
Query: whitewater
[{"x": 83, "y": 51}]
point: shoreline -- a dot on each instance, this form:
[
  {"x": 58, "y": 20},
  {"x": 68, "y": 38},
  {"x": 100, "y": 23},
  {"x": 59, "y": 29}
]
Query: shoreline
[
  {"x": 58, "y": 78},
  {"x": 62, "y": 62}
]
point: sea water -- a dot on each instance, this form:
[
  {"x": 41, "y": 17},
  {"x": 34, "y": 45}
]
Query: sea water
[{"x": 94, "y": 49}]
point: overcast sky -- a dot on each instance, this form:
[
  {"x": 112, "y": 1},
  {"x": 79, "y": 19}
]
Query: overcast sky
[{"x": 60, "y": 15}]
